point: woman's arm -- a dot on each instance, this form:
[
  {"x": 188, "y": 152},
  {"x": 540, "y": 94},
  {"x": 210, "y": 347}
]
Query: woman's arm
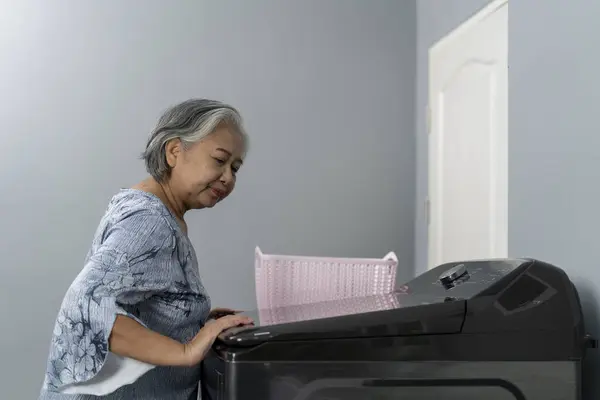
[{"x": 130, "y": 339}]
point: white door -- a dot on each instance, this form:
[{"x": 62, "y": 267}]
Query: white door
[{"x": 468, "y": 140}]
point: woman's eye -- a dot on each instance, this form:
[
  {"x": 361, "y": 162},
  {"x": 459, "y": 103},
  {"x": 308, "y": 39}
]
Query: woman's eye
[{"x": 219, "y": 161}]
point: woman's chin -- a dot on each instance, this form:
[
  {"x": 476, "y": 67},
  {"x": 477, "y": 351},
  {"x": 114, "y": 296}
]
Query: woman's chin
[{"x": 210, "y": 202}]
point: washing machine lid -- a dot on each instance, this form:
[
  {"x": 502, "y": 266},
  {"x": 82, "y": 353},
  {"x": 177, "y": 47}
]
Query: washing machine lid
[{"x": 432, "y": 303}]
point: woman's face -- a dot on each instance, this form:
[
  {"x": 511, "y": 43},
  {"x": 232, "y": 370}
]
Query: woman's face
[{"x": 205, "y": 173}]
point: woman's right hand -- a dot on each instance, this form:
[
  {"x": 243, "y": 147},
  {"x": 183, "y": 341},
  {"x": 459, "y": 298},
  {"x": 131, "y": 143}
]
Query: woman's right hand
[{"x": 198, "y": 347}]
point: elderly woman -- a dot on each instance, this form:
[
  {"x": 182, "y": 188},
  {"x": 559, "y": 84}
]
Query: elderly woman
[{"x": 133, "y": 324}]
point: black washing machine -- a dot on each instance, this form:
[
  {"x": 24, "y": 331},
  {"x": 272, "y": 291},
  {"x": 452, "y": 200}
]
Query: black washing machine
[{"x": 473, "y": 330}]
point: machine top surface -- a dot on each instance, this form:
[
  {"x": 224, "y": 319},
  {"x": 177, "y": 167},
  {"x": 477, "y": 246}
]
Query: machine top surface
[{"x": 443, "y": 290}]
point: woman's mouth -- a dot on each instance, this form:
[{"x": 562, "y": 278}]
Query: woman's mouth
[{"x": 217, "y": 193}]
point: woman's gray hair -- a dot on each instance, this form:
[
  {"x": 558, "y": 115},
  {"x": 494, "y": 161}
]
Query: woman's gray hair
[{"x": 190, "y": 122}]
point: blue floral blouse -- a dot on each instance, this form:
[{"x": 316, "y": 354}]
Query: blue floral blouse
[{"x": 141, "y": 265}]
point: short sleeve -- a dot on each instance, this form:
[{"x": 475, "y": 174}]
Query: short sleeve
[{"x": 132, "y": 262}]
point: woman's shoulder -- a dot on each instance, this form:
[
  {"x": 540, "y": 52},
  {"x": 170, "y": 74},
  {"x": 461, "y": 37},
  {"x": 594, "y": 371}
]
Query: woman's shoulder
[{"x": 128, "y": 203}]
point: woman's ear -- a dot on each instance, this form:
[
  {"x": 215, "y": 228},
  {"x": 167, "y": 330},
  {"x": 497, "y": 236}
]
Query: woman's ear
[{"x": 173, "y": 152}]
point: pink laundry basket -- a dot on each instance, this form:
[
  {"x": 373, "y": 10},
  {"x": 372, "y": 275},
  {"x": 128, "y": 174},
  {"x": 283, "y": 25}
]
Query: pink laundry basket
[{"x": 283, "y": 280}]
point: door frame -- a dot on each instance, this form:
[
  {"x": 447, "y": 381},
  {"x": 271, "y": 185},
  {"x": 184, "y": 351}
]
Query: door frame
[{"x": 479, "y": 16}]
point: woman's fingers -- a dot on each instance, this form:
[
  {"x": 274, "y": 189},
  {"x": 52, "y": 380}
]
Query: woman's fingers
[
  {"x": 221, "y": 312},
  {"x": 229, "y": 321}
]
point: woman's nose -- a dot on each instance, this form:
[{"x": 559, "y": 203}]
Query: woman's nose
[{"x": 227, "y": 177}]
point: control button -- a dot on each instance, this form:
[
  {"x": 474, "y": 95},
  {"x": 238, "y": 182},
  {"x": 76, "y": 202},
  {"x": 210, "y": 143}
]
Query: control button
[{"x": 453, "y": 274}]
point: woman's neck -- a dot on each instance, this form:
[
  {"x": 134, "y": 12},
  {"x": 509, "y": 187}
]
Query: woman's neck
[{"x": 164, "y": 192}]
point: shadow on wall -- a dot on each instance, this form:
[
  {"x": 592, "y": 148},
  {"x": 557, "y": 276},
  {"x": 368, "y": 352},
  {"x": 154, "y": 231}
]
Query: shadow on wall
[{"x": 589, "y": 303}]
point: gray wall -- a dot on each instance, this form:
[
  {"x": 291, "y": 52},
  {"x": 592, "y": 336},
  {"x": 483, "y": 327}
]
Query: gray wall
[
  {"x": 435, "y": 19},
  {"x": 554, "y": 159},
  {"x": 554, "y": 145},
  {"x": 327, "y": 91}
]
